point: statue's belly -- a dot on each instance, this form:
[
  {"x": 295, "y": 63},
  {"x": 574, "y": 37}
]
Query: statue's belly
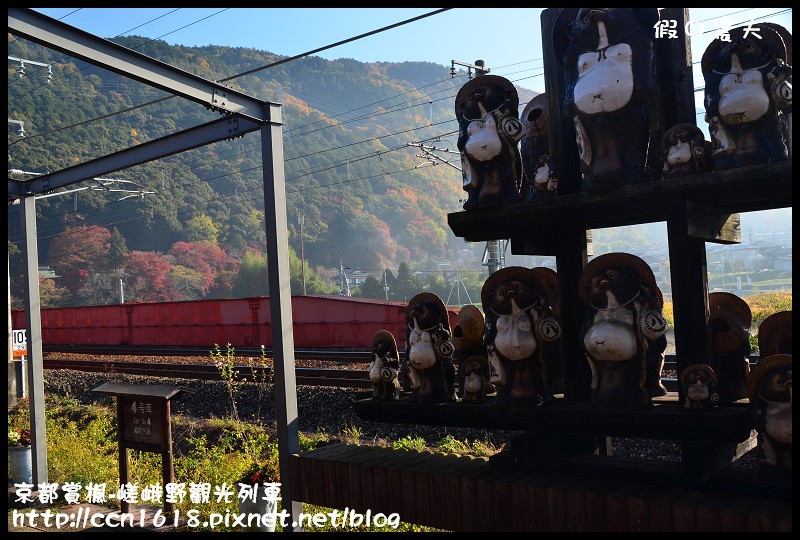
[
  {"x": 610, "y": 341},
  {"x": 604, "y": 85},
  {"x": 514, "y": 343},
  {"x": 742, "y": 98},
  {"x": 484, "y": 144},
  {"x": 421, "y": 356}
]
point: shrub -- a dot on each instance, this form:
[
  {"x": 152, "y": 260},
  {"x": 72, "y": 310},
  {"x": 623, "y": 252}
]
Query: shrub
[{"x": 410, "y": 443}]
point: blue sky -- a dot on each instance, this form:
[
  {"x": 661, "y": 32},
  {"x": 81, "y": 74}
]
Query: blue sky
[{"x": 507, "y": 39}]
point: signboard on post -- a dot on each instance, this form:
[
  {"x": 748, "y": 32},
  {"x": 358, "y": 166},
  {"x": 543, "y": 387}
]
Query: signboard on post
[
  {"x": 19, "y": 343},
  {"x": 143, "y": 420}
]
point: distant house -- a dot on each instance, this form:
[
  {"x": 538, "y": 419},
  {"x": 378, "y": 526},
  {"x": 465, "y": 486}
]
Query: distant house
[
  {"x": 783, "y": 263},
  {"x": 746, "y": 257},
  {"x": 47, "y": 272},
  {"x": 356, "y": 277},
  {"x": 349, "y": 279},
  {"x": 777, "y": 257},
  {"x": 662, "y": 275}
]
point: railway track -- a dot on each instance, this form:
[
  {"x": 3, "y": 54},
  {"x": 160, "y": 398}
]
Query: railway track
[
  {"x": 345, "y": 377},
  {"x": 328, "y": 355},
  {"x": 353, "y": 378}
]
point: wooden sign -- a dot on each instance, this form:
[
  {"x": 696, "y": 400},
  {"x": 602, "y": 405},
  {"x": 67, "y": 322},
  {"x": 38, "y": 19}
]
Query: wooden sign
[{"x": 142, "y": 420}]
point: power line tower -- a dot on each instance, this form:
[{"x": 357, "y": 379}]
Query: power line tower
[{"x": 455, "y": 286}]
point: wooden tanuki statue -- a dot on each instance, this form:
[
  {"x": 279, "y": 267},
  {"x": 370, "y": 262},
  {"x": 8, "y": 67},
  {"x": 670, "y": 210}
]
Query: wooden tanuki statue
[
  {"x": 685, "y": 151},
  {"x": 699, "y": 387},
  {"x": 518, "y": 321},
  {"x": 429, "y": 350},
  {"x": 384, "y": 367},
  {"x": 623, "y": 322},
  {"x": 748, "y": 96},
  {"x": 487, "y": 109},
  {"x": 775, "y": 334},
  {"x": 729, "y": 323},
  {"x": 770, "y": 393},
  {"x": 474, "y": 379},
  {"x": 468, "y": 341},
  {"x": 607, "y": 56},
  {"x": 539, "y": 174}
]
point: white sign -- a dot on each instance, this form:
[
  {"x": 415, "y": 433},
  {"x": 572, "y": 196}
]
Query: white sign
[{"x": 19, "y": 343}]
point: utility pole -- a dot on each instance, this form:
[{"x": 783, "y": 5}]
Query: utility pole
[
  {"x": 385, "y": 285},
  {"x": 478, "y": 66},
  {"x": 301, "y": 220},
  {"x": 345, "y": 284},
  {"x": 458, "y": 291}
]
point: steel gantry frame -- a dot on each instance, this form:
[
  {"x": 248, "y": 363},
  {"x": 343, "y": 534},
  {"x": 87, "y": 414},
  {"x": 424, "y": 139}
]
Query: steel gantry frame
[{"x": 242, "y": 114}]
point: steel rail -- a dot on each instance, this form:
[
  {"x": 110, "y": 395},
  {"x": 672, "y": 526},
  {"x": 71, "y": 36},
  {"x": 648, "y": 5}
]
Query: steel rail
[
  {"x": 331, "y": 355},
  {"x": 355, "y": 378}
]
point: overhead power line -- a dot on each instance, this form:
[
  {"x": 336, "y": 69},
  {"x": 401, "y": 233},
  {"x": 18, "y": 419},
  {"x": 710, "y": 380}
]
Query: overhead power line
[{"x": 332, "y": 45}]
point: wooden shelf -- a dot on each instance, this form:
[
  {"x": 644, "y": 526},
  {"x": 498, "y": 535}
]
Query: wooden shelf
[
  {"x": 666, "y": 420},
  {"x": 568, "y": 437},
  {"x": 746, "y": 189}
]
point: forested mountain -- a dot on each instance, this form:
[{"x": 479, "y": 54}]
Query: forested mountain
[{"x": 354, "y": 179}]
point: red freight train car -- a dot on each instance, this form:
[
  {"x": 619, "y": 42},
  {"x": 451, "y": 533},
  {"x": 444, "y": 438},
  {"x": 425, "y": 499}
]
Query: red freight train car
[{"x": 320, "y": 322}]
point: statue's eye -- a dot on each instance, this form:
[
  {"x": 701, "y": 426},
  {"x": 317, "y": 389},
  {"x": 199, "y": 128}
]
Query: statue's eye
[
  {"x": 586, "y": 18},
  {"x": 611, "y": 275}
]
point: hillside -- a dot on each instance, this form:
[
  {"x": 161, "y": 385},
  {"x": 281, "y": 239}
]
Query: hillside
[{"x": 347, "y": 128}]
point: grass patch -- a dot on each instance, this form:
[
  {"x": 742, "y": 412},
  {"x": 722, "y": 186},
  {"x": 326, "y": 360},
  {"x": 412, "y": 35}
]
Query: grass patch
[
  {"x": 82, "y": 448},
  {"x": 410, "y": 443}
]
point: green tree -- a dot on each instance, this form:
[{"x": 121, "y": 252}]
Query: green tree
[
  {"x": 407, "y": 285},
  {"x": 188, "y": 283},
  {"x": 371, "y": 288},
  {"x": 251, "y": 279},
  {"x": 201, "y": 229},
  {"x": 436, "y": 283},
  {"x": 245, "y": 228},
  {"x": 118, "y": 249}
]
